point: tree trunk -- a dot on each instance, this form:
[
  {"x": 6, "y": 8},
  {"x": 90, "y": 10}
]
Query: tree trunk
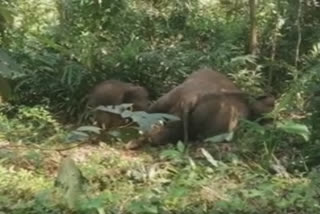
[
  {"x": 253, "y": 42},
  {"x": 5, "y": 89},
  {"x": 299, "y": 32}
]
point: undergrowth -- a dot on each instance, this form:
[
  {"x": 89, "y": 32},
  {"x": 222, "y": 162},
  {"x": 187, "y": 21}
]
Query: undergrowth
[{"x": 245, "y": 178}]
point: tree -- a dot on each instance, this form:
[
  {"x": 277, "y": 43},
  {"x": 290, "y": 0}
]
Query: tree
[
  {"x": 299, "y": 32},
  {"x": 253, "y": 42},
  {"x": 6, "y": 17}
]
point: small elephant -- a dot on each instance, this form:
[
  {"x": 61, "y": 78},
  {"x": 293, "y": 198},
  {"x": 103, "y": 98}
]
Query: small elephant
[{"x": 115, "y": 92}]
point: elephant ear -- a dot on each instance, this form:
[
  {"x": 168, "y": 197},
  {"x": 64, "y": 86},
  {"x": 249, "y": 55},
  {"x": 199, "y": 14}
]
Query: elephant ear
[
  {"x": 138, "y": 96},
  {"x": 262, "y": 105},
  {"x": 135, "y": 92}
]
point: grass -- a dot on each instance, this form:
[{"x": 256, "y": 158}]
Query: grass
[
  {"x": 142, "y": 182},
  {"x": 167, "y": 179}
]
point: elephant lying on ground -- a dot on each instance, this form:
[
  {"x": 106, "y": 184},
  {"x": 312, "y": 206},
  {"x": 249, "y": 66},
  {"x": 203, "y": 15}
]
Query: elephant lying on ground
[
  {"x": 115, "y": 92},
  {"x": 208, "y": 103},
  {"x": 220, "y": 113}
]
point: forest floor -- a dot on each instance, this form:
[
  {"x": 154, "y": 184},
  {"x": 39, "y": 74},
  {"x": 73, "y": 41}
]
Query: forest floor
[{"x": 163, "y": 179}]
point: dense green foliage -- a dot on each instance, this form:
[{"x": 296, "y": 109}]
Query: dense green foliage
[{"x": 53, "y": 52}]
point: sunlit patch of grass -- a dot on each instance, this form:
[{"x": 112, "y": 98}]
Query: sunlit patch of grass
[
  {"x": 217, "y": 190},
  {"x": 21, "y": 184}
]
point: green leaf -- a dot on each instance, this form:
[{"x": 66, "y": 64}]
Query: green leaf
[
  {"x": 93, "y": 129},
  {"x": 254, "y": 126},
  {"x": 95, "y": 203},
  {"x": 178, "y": 192},
  {"x": 294, "y": 128},
  {"x": 192, "y": 163},
  {"x": 143, "y": 119},
  {"x": 171, "y": 154},
  {"x": 209, "y": 158},
  {"x": 220, "y": 138},
  {"x": 116, "y": 109},
  {"x": 243, "y": 59},
  {"x": 115, "y": 133},
  {"x": 6, "y": 13},
  {"x": 143, "y": 207},
  {"x": 71, "y": 181},
  {"x": 82, "y": 133},
  {"x": 180, "y": 146},
  {"x": 77, "y": 136},
  {"x": 8, "y": 67},
  {"x": 146, "y": 120}
]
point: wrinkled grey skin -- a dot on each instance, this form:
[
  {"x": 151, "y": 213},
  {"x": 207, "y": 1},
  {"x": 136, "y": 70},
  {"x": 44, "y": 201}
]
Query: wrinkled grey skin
[
  {"x": 216, "y": 114},
  {"x": 199, "y": 83},
  {"x": 181, "y": 100},
  {"x": 115, "y": 92},
  {"x": 208, "y": 103}
]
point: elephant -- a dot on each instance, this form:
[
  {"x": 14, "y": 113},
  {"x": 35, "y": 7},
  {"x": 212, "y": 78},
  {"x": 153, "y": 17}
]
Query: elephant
[
  {"x": 208, "y": 103},
  {"x": 115, "y": 92}
]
